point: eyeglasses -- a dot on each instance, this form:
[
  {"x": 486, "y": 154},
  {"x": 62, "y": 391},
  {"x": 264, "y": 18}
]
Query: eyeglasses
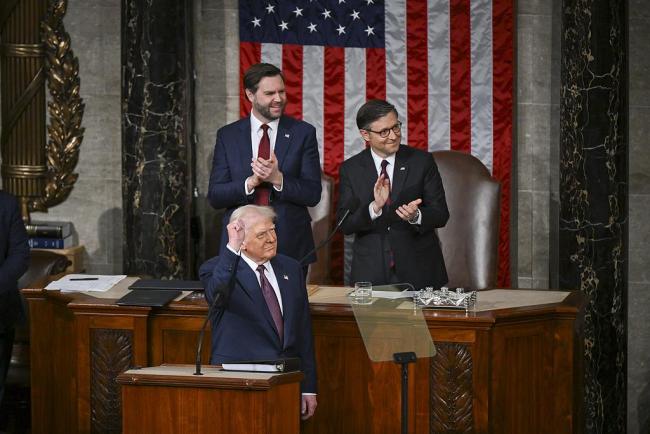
[{"x": 397, "y": 129}]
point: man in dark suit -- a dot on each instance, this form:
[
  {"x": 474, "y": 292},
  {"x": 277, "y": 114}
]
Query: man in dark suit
[
  {"x": 402, "y": 203},
  {"x": 269, "y": 159},
  {"x": 266, "y": 313},
  {"x": 14, "y": 260}
]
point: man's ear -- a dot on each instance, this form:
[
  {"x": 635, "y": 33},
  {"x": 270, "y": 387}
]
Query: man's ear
[
  {"x": 365, "y": 135},
  {"x": 249, "y": 95}
]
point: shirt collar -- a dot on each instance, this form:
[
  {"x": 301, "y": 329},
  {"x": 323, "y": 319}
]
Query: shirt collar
[
  {"x": 254, "y": 264},
  {"x": 256, "y": 124},
  {"x": 377, "y": 159}
]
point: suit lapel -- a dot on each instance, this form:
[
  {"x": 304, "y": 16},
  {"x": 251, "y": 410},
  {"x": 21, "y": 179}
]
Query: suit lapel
[
  {"x": 285, "y": 286},
  {"x": 283, "y": 140},
  {"x": 245, "y": 147},
  {"x": 400, "y": 173},
  {"x": 368, "y": 173}
]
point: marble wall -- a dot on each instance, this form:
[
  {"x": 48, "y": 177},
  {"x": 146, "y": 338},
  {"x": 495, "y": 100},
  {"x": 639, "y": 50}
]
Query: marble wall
[
  {"x": 536, "y": 143},
  {"x": 95, "y": 204},
  {"x": 638, "y": 339}
]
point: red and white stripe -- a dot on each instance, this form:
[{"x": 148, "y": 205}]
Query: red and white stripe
[{"x": 447, "y": 68}]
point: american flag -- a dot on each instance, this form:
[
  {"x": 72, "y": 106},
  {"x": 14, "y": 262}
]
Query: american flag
[{"x": 447, "y": 66}]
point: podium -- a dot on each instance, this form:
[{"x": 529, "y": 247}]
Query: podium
[{"x": 170, "y": 399}]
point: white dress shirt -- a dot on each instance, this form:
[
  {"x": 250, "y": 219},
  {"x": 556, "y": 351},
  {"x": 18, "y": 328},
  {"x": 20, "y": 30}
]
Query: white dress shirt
[
  {"x": 256, "y": 137},
  {"x": 390, "y": 169}
]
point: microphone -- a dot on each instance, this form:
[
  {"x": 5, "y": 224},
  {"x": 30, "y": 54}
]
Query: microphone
[
  {"x": 351, "y": 206},
  {"x": 220, "y": 298}
]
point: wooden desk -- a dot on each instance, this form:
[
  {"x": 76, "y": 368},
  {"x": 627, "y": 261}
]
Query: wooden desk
[{"x": 514, "y": 367}]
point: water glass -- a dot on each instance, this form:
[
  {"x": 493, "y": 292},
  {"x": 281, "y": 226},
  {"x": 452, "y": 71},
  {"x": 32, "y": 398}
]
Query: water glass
[{"x": 362, "y": 292}]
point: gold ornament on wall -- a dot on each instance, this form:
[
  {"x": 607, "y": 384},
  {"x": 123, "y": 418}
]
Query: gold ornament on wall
[{"x": 65, "y": 108}]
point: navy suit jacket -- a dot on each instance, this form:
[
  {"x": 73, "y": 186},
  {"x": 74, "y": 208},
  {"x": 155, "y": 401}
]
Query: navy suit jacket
[
  {"x": 415, "y": 249},
  {"x": 296, "y": 149},
  {"x": 246, "y": 330},
  {"x": 14, "y": 259}
]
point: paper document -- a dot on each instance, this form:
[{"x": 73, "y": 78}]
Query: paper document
[
  {"x": 85, "y": 282},
  {"x": 252, "y": 367}
]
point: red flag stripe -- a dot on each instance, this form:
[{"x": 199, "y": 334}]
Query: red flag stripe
[
  {"x": 502, "y": 91},
  {"x": 292, "y": 71},
  {"x": 460, "y": 75},
  {"x": 417, "y": 73},
  {"x": 375, "y": 73},
  {"x": 250, "y": 53}
]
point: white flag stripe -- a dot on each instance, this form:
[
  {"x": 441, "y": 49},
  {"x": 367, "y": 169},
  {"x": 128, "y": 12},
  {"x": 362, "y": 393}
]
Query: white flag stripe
[
  {"x": 438, "y": 63},
  {"x": 395, "y": 43},
  {"x": 481, "y": 94},
  {"x": 355, "y": 96},
  {"x": 272, "y": 53},
  {"x": 312, "y": 91}
]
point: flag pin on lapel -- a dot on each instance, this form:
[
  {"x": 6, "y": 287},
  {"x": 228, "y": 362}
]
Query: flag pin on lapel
[
  {"x": 286, "y": 135},
  {"x": 402, "y": 168},
  {"x": 285, "y": 277}
]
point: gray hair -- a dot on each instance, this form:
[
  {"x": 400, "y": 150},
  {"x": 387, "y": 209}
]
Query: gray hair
[{"x": 247, "y": 211}]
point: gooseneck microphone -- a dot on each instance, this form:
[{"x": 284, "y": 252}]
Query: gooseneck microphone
[
  {"x": 351, "y": 206},
  {"x": 220, "y": 298}
]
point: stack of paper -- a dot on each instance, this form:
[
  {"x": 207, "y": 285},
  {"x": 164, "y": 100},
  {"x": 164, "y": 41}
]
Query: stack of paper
[{"x": 85, "y": 282}]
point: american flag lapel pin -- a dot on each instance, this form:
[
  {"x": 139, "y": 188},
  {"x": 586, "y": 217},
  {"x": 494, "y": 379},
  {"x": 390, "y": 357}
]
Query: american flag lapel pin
[
  {"x": 287, "y": 136},
  {"x": 402, "y": 168},
  {"x": 285, "y": 277}
]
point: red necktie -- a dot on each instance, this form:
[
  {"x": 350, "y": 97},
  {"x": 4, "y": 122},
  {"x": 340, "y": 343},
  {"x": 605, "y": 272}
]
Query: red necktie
[
  {"x": 384, "y": 164},
  {"x": 271, "y": 301},
  {"x": 262, "y": 192}
]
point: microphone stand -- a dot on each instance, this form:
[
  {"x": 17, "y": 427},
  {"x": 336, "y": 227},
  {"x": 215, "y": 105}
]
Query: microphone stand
[
  {"x": 218, "y": 299},
  {"x": 348, "y": 211}
]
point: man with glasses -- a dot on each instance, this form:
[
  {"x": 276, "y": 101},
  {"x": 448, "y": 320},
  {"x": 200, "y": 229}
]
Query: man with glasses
[
  {"x": 402, "y": 203},
  {"x": 266, "y": 314}
]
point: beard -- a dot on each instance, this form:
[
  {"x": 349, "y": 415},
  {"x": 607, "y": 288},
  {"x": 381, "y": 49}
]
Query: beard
[{"x": 266, "y": 111}]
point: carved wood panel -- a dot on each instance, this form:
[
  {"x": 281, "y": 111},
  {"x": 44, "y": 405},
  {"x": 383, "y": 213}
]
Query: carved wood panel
[
  {"x": 451, "y": 389},
  {"x": 111, "y": 353}
]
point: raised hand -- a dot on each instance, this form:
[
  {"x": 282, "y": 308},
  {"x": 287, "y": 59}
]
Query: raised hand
[
  {"x": 381, "y": 191},
  {"x": 409, "y": 211},
  {"x": 236, "y": 234}
]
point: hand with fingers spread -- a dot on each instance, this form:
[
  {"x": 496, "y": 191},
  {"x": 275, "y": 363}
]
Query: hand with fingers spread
[
  {"x": 409, "y": 212},
  {"x": 381, "y": 191}
]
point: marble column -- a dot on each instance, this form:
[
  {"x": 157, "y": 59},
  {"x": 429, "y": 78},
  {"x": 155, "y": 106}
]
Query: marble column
[
  {"x": 593, "y": 196},
  {"x": 156, "y": 127}
]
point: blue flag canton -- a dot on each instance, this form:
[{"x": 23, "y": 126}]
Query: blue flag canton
[{"x": 338, "y": 23}]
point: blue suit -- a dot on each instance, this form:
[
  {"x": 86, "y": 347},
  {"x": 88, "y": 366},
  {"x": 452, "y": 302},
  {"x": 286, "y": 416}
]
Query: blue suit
[
  {"x": 14, "y": 260},
  {"x": 246, "y": 330},
  {"x": 296, "y": 149}
]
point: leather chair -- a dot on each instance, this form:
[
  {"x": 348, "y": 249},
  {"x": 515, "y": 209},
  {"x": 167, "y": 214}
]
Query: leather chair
[
  {"x": 470, "y": 237},
  {"x": 43, "y": 268},
  {"x": 321, "y": 225}
]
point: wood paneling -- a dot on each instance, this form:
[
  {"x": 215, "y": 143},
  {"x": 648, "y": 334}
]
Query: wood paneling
[{"x": 504, "y": 371}]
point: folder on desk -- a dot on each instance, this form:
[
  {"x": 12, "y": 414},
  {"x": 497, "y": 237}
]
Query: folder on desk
[
  {"x": 280, "y": 365},
  {"x": 150, "y": 298},
  {"x": 183, "y": 285}
]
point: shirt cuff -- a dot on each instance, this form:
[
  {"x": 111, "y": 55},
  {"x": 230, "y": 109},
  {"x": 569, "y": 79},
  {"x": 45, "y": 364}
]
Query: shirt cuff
[
  {"x": 233, "y": 250},
  {"x": 281, "y": 185},
  {"x": 248, "y": 193},
  {"x": 417, "y": 220},
  {"x": 373, "y": 214},
  {"x": 309, "y": 394}
]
